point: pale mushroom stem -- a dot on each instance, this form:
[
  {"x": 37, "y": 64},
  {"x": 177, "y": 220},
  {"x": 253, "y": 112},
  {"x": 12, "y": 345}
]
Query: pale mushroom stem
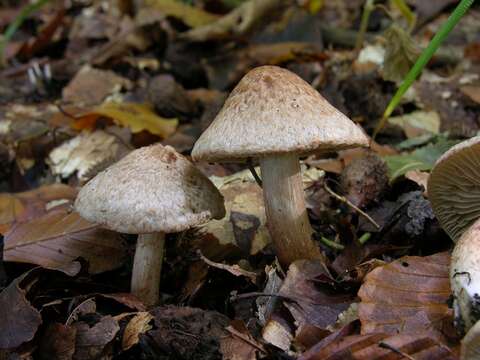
[
  {"x": 147, "y": 267},
  {"x": 287, "y": 218}
]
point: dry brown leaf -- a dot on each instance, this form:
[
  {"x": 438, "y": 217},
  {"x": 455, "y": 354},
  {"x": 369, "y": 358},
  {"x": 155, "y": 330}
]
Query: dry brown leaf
[
  {"x": 472, "y": 91},
  {"x": 58, "y": 342},
  {"x": 19, "y": 319},
  {"x": 239, "y": 344},
  {"x": 91, "y": 86},
  {"x": 137, "y": 117},
  {"x": 57, "y": 239},
  {"x": 408, "y": 296},
  {"x": 24, "y": 206},
  {"x": 190, "y": 15},
  {"x": 380, "y": 347},
  {"x": 86, "y": 154},
  {"x": 91, "y": 341},
  {"x": 137, "y": 325}
]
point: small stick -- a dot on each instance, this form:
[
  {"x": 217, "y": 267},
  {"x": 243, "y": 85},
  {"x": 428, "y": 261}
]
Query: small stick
[
  {"x": 259, "y": 294},
  {"x": 254, "y": 173},
  {"x": 245, "y": 338},
  {"x": 395, "y": 350},
  {"x": 346, "y": 201}
]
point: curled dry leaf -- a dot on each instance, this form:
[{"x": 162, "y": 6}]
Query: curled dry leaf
[
  {"x": 86, "y": 154},
  {"x": 57, "y": 239},
  {"x": 19, "y": 319},
  {"x": 137, "y": 325},
  {"x": 24, "y": 206},
  {"x": 408, "y": 296}
]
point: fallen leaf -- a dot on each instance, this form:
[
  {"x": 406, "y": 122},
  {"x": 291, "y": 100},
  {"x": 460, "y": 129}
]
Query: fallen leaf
[
  {"x": 92, "y": 340},
  {"x": 239, "y": 344},
  {"x": 420, "y": 159},
  {"x": 58, "y": 342},
  {"x": 188, "y": 332},
  {"x": 313, "y": 297},
  {"x": 138, "y": 117},
  {"x": 418, "y": 123},
  {"x": 86, "y": 154},
  {"x": 57, "y": 239},
  {"x": 381, "y": 347},
  {"x": 137, "y": 325},
  {"x": 472, "y": 91},
  {"x": 24, "y": 206},
  {"x": 190, "y": 15},
  {"x": 408, "y": 296},
  {"x": 401, "y": 52},
  {"x": 20, "y": 320},
  {"x": 419, "y": 177},
  {"x": 91, "y": 86}
]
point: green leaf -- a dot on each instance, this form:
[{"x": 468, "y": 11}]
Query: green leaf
[{"x": 420, "y": 159}]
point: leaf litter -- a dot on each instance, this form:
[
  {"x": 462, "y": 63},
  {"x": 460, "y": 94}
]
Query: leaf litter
[{"x": 84, "y": 83}]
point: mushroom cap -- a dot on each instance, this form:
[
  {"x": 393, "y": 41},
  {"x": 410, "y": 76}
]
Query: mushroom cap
[
  {"x": 454, "y": 187},
  {"x": 273, "y": 111},
  {"x": 465, "y": 278},
  {"x": 152, "y": 189}
]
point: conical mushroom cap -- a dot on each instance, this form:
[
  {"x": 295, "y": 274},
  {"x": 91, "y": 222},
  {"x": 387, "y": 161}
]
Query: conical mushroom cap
[
  {"x": 152, "y": 189},
  {"x": 454, "y": 187},
  {"x": 273, "y": 111}
]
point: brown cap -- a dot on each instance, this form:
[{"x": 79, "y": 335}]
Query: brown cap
[
  {"x": 152, "y": 189},
  {"x": 454, "y": 187},
  {"x": 273, "y": 111}
]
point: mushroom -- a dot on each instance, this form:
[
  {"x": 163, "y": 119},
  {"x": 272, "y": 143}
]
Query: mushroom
[
  {"x": 275, "y": 116},
  {"x": 150, "y": 192},
  {"x": 454, "y": 192}
]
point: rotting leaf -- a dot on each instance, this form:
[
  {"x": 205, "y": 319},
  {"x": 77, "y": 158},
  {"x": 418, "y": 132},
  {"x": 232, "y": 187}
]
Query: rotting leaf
[
  {"x": 138, "y": 117},
  {"x": 189, "y": 333},
  {"x": 137, "y": 325},
  {"x": 57, "y": 239},
  {"x": 24, "y": 206},
  {"x": 91, "y": 341},
  {"x": 408, "y": 296},
  {"x": 239, "y": 344},
  {"x": 20, "y": 320},
  {"x": 58, "y": 342}
]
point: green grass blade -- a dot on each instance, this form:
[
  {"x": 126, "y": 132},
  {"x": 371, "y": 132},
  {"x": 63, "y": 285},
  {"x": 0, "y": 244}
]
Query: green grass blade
[{"x": 423, "y": 59}]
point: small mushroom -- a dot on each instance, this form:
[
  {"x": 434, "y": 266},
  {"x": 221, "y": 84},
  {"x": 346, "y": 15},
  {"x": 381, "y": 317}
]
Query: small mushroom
[
  {"x": 454, "y": 192},
  {"x": 152, "y": 191},
  {"x": 275, "y": 116}
]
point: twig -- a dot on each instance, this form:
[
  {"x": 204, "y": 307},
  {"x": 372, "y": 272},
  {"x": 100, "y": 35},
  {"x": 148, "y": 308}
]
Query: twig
[
  {"x": 232, "y": 269},
  {"x": 254, "y": 173},
  {"x": 395, "y": 350},
  {"x": 356, "y": 208},
  {"x": 259, "y": 294},
  {"x": 245, "y": 338}
]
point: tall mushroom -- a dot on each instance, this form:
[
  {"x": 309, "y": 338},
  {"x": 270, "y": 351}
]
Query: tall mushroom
[
  {"x": 275, "y": 116},
  {"x": 454, "y": 192},
  {"x": 150, "y": 192}
]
